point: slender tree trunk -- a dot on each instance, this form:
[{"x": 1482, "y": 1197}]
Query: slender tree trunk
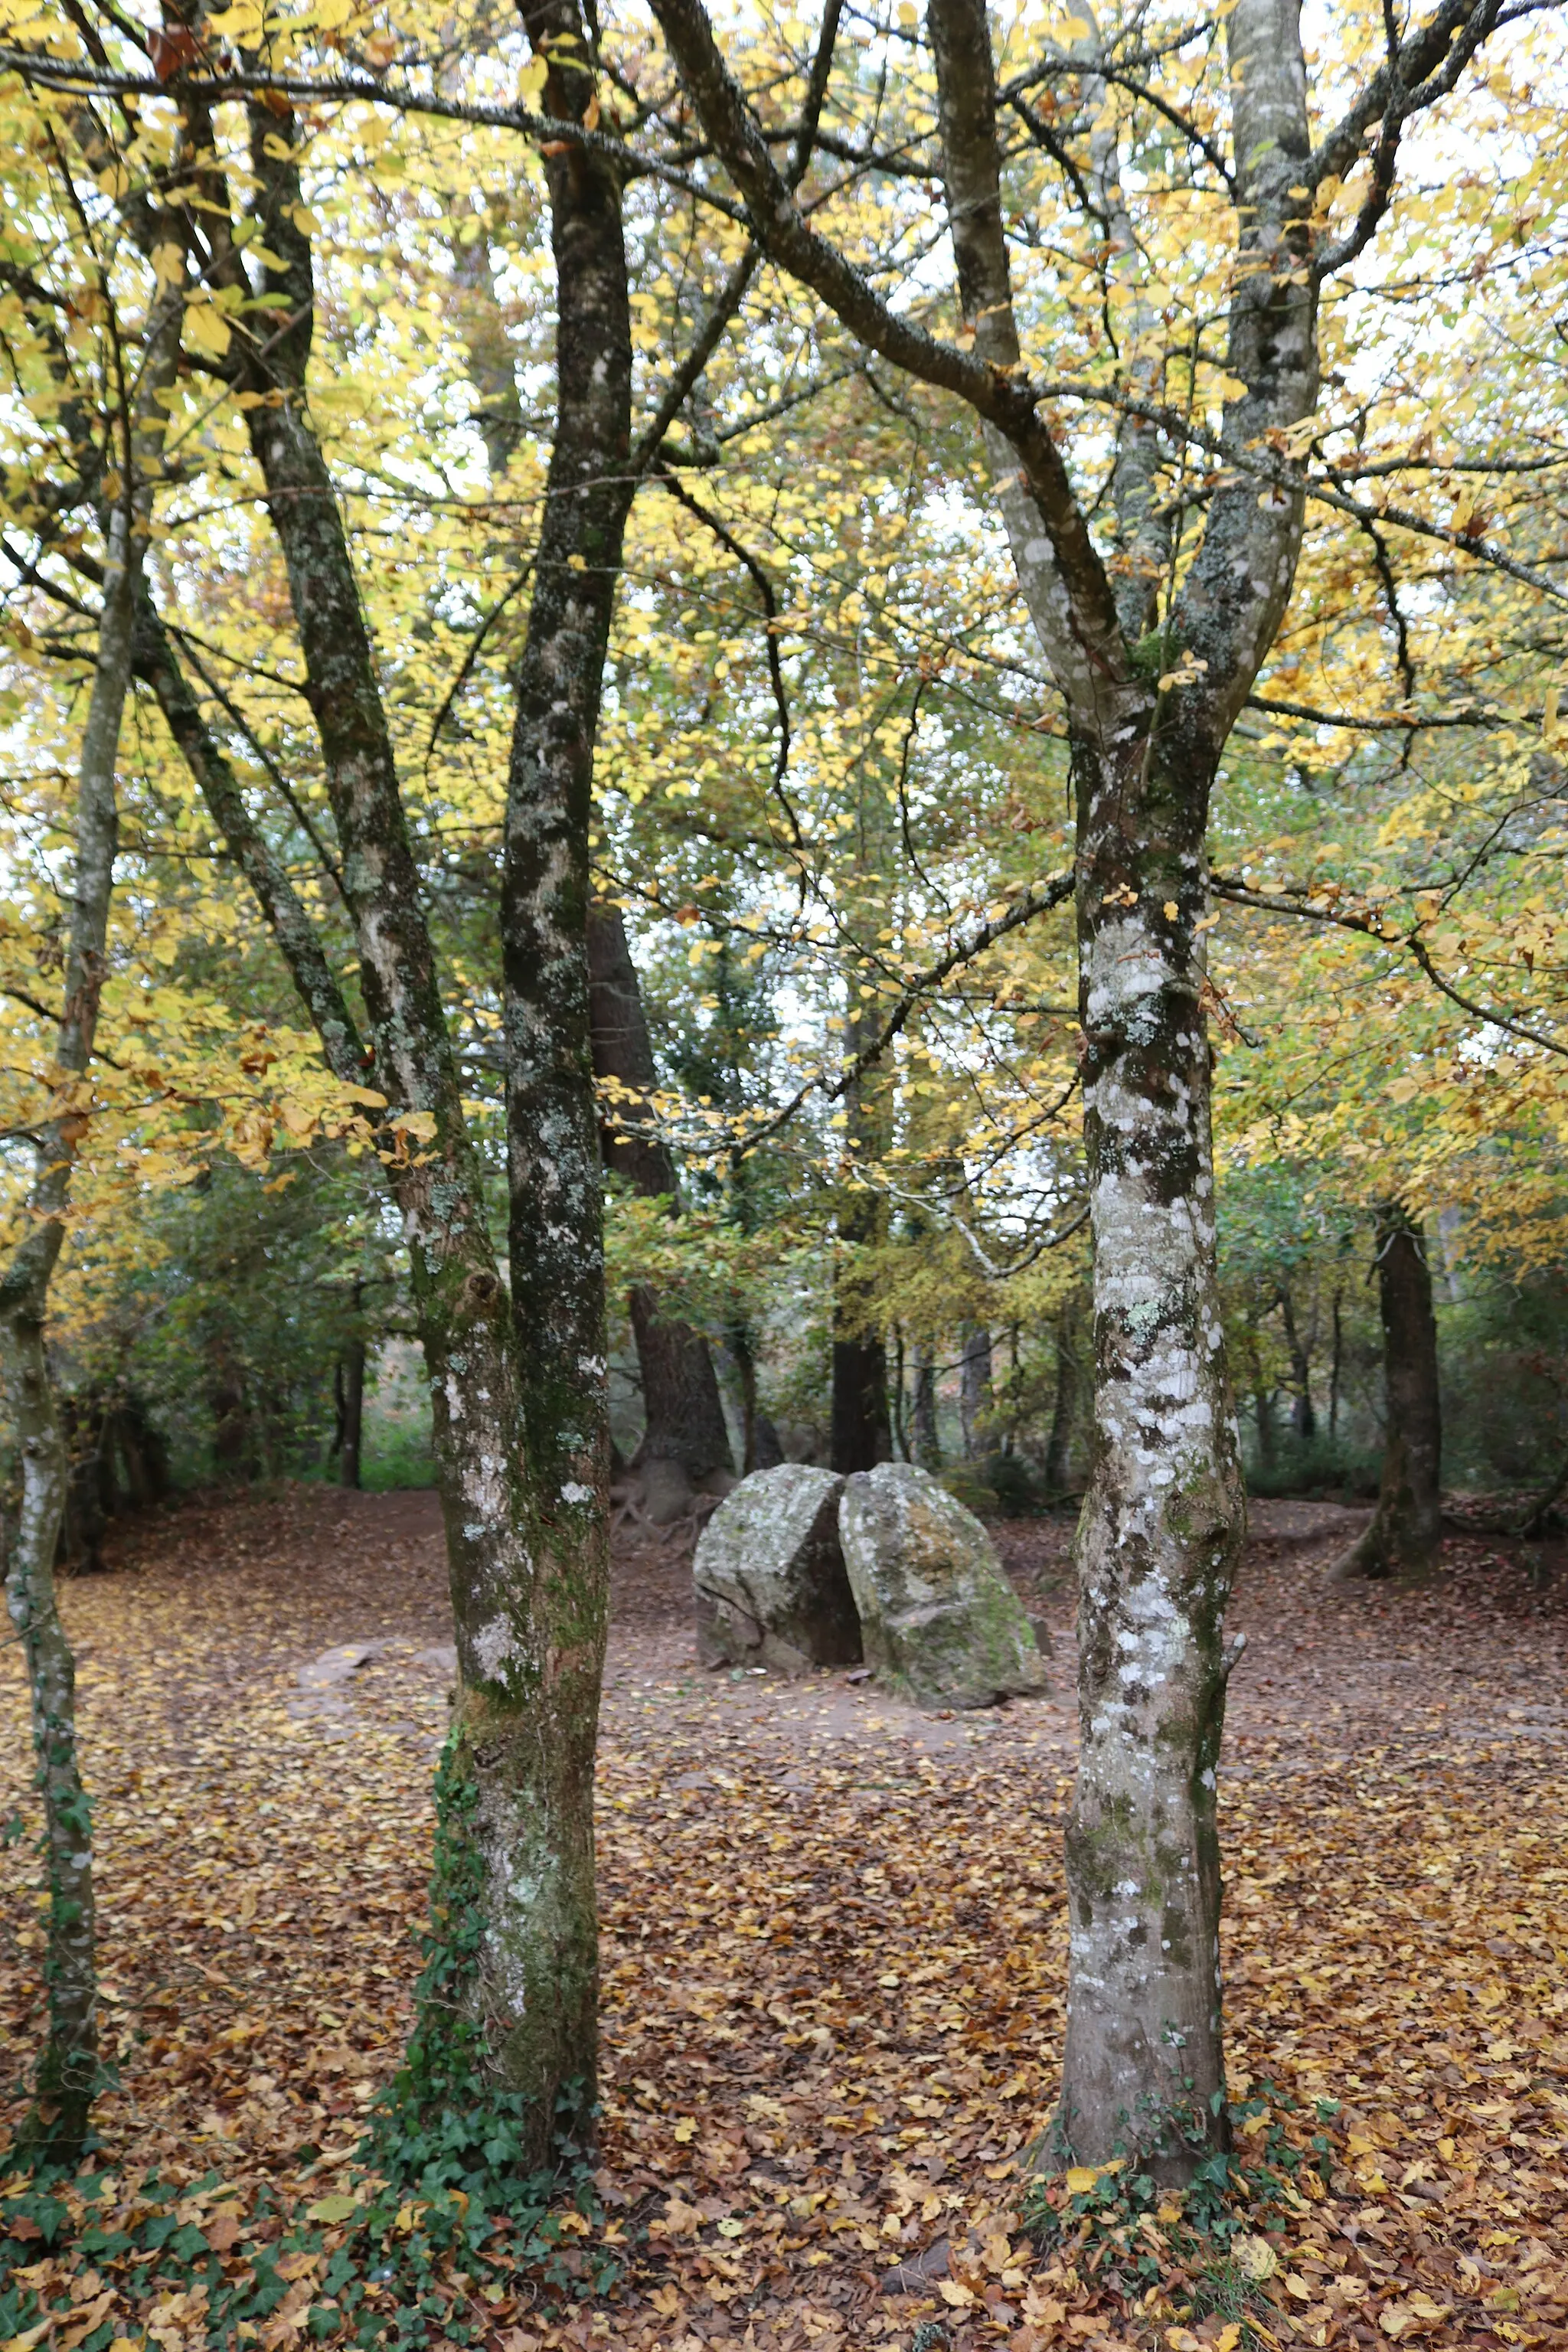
[
  {"x": 1303, "y": 1417},
  {"x": 926, "y": 1444},
  {"x": 685, "y": 1414},
  {"x": 55, "y": 2130},
  {"x": 976, "y": 1403},
  {"x": 234, "y": 1451},
  {"x": 1406, "y": 1533},
  {"x": 349, "y": 1383},
  {"x": 84, "y": 1422},
  {"x": 1336, "y": 1365},
  {"x": 555, "y": 1186},
  {"x": 861, "y": 1426},
  {"x": 1263, "y": 1414},
  {"x": 896, "y": 1396},
  {"x": 1064, "y": 1404}
]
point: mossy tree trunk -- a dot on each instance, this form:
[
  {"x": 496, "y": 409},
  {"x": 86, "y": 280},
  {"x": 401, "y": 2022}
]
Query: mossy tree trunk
[
  {"x": 55, "y": 2130},
  {"x": 520, "y": 1460},
  {"x": 123, "y": 474}
]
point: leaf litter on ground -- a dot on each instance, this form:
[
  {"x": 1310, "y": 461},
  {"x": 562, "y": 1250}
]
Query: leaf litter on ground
[{"x": 833, "y": 1975}]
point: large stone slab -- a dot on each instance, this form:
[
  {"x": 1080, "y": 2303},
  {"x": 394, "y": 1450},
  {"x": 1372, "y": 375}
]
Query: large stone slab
[
  {"x": 768, "y": 1578},
  {"x": 938, "y": 1619}
]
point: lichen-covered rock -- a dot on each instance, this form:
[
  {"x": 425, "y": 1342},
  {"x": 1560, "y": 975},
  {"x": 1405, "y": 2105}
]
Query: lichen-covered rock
[
  {"x": 768, "y": 1579},
  {"x": 938, "y": 1619}
]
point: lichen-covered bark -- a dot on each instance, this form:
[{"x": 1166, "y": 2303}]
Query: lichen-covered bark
[
  {"x": 555, "y": 1205},
  {"x": 1406, "y": 1533},
  {"x": 1162, "y": 1520},
  {"x": 55, "y": 2130},
  {"x": 684, "y": 1416},
  {"x": 520, "y": 1777}
]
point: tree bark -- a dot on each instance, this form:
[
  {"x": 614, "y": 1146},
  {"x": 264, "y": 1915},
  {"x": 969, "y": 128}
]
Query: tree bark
[
  {"x": 925, "y": 1441},
  {"x": 520, "y": 1460},
  {"x": 1303, "y": 1415},
  {"x": 555, "y": 1198},
  {"x": 1405, "y": 1535},
  {"x": 349, "y": 1388},
  {"x": 685, "y": 1414},
  {"x": 976, "y": 1403},
  {"x": 55, "y": 2130},
  {"x": 1064, "y": 1404}
]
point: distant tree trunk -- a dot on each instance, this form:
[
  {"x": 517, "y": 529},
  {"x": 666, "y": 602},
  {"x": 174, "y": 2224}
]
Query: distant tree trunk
[
  {"x": 233, "y": 1450},
  {"x": 1336, "y": 1365},
  {"x": 89, "y": 1484},
  {"x": 685, "y": 1414},
  {"x": 975, "y": 1404},
  {"x": 143, "y": 1454},
  {"x": 1263, "y": 1412},
  {"x": 862, "y": 1432},
  {"x": 925, "y": 1441},
  {"x": 1406, "y": 1533},
  {"x": 1065, "y": 1403},
  {"x": 348, "y": 1390},
  {"x": 1303, "y": 1418}
]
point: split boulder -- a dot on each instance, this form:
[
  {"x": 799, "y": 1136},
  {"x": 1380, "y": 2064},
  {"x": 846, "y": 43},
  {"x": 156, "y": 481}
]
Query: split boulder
[
  {"x": 938, "y": 1619},
  {"x": 769, "y": 1578}
]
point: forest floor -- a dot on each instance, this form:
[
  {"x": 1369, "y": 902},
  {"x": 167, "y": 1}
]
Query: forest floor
[{"x": 834, "y": 1944}]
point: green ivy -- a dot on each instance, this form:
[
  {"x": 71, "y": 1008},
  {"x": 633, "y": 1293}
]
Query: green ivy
[
  {"x": 438, "y": 2194},
  {"x": 1228, "y": 2197}
]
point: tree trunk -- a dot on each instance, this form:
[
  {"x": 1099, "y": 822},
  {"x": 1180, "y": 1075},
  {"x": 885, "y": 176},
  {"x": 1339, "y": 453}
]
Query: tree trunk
[
  {"x": 1064, "y": 1404},
  {"x": 896, "y": 1400},
  {"x": 234, "y": 1451},
  {"x": 84, "y": 1422},
  {"x": 1163, "y": 1520},
  {"x": 143, "y": 1453},
  {"x": 1406, "y": 1533},
  {"x": 685, "y": 1414},
  {"x": 519, "y": 1460},
  {"x": 976, "y": 1403},
  {"x": 861, "y": 1426},
  {"x": 349, "y": 1388},
  {"x": 55, "y": 2130},
  {"x": 1263, "y": 1414},
  {"x": 862, "y": 1431},
  {"x": 1336, "y": 1365},
  {"x": 1303, "y": 1417},
  {"x": 555, "y": 1197},
  {"x": 925, "y": 1441}
]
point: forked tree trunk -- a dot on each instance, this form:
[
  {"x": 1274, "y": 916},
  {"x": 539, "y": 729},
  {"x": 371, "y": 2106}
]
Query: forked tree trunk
[
  {"x": 1405, "y": 1535},
  {"x": 1153, "y": 657},
  {"x": 685, "y": 1414},
  {"x": 520, "y": 1455}
]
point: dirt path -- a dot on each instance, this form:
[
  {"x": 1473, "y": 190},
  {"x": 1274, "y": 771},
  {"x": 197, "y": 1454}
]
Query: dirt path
[{"x": 833, "y": 1932}]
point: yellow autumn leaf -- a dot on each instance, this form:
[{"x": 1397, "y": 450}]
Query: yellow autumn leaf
[{"x": 207, "y": 330}]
